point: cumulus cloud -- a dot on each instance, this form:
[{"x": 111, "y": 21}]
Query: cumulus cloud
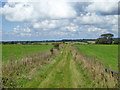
[
  {"x": 94, "y": 19},
  {"x": 28, "y": 11},
  {"x": 26, "y": 31},
  {"x": 104, "y": 7},
  {"x": 62, "y": 18},
  {"x": 71, "y": 27},
  {"x": 50, "y": 24}
]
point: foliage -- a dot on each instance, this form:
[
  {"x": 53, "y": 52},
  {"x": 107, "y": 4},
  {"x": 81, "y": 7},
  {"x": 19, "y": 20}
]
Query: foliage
[
  {"x": 56, "y": 45},
  {"x": 107, "y": 36},
  {"x": 51, "y": 50},
  {"x": 105, "y": 39}
]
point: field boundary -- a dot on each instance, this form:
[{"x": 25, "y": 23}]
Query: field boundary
[{"x": 112, "y": 71}]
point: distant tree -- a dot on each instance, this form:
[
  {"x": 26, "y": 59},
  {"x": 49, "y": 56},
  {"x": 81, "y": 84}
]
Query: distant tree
[{"x": 105, "y": 39}]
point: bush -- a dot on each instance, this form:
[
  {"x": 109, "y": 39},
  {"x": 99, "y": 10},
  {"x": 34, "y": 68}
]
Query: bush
[
  {"x": 51, "y": 50},
  {"x": 56, "y": 45},
  {"x": 103, "y": 41}
]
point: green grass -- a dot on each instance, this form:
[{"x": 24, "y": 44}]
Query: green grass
[
  {"x": 62, "y": 70},
  {"x": 12, "y": 52},
  {"x": 107, "y": 53}
]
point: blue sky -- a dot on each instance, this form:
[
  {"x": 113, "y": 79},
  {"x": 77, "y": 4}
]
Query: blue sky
[{"x": 51, "y": 19}]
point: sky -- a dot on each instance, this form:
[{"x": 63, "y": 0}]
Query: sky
[{"x": 57, "y": 19}]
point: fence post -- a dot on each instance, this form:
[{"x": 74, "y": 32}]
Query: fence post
[
  {"x": 22, "y": 61},
  {"x": 26, "y": 60},
  {"x": 30, "y": 60},
  {"x": 99, "y": 68},
  {"x": 15, "y": 62}
]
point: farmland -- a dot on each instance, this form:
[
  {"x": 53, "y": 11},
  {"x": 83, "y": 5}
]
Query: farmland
[
  {"x": 13, "y": 52},
  {"x": 66, "y": 67},
  {"x": 108, "y": 54}
]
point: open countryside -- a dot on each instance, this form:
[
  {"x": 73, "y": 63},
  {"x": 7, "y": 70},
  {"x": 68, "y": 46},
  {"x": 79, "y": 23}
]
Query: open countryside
[
  {"x": 59, "y": 44},
  {"x": 59, "y": 65}
]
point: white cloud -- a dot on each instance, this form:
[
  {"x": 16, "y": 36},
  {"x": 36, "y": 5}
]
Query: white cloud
[
  {"x": 23, "y": 11},
  {"x": 50, "y": 24},
  {"x": 19, "y": 12},
  {"x": 104, "y": 7},
  {"x": 26, "y": 31},
  {"x": 94, "y": 19},
  {"x": 71, "y": 27}
]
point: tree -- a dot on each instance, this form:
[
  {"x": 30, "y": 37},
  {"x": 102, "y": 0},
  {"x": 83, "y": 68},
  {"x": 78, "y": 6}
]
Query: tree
[
  {"x": 107, "y": 36},
  {"x": 105, "y": 39}
]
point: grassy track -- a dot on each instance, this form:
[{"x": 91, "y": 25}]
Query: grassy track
[
  {"x": 13, "y": 52},
  {"x": 60, "y": 75},
  {"x": 107, "y": 53},
  {"x": 62, "y": 72}
]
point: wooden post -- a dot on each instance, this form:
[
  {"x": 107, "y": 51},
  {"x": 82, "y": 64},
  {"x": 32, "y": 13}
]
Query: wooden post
[
  {"x": 15, "y": 62},
  {"x": 112, "y": 73},
  {"x": 30, "y": 60},
  {"x": 105, "y": 70},
  {"x": 26, "y": 59},
  {"x": 22, "y": 62},
  {"x": 99, "y": 67}
]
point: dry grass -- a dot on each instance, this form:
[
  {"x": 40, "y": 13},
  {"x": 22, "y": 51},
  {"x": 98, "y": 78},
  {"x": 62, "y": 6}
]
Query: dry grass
[
  {"x": 99, "y": 76},
  {"x": 27, "y": 65}
]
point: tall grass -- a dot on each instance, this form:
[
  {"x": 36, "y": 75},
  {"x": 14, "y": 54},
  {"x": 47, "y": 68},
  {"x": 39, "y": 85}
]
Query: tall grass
[{"x": 99, "y": 77}]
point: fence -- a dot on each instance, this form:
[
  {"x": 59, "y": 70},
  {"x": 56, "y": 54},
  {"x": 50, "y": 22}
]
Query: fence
[
  {"x": 27, "y": 60},
  {"x": 112, "y": 71}
]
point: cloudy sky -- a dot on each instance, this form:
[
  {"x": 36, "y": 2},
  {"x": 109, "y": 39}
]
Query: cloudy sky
[{"x": 58, "y": 19}]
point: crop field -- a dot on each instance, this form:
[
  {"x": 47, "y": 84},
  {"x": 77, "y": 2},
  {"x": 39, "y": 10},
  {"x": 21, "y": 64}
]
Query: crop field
[
  {"x": 64, "y": 66},
  {"x": 13, "y": 52}
]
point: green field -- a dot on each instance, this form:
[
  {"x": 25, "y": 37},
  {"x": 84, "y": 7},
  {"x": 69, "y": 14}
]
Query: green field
[
  {"x": 60, "y": 70},
  {"x": 107, "y": 53},
  {"x": 12, "y": 52}
]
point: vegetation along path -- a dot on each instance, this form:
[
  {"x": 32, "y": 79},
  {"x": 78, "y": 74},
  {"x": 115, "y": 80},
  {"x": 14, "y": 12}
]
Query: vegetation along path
[{"x": 60, "y": 73}]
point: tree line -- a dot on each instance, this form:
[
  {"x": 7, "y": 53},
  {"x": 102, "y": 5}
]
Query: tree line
[{"x": 103, "y": 39}]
